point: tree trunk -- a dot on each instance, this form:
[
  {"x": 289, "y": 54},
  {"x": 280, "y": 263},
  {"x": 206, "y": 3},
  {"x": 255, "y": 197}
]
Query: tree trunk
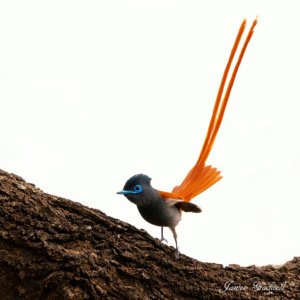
[{"x": 53, "y": 248}]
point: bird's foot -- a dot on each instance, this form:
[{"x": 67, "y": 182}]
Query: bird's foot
[
  {"x": 163, "y": 240},
  {"x": 177, "y": 254}
]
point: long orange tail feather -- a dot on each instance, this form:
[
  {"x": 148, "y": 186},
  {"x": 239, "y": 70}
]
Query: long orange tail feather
[{"x": 202, "y": 177}]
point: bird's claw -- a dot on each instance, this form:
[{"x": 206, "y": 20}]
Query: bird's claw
[
  {"x": 164, "y": 240},
  {"x": 177, "y": 253}
]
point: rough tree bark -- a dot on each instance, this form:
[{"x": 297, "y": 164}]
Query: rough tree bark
[{"x": 53, "y": 248}]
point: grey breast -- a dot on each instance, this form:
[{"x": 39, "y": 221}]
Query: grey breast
[{"x": 157, "y": 212}]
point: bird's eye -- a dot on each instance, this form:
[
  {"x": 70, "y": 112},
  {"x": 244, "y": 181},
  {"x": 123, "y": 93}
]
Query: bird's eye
[{"x": 138, "y": 188}]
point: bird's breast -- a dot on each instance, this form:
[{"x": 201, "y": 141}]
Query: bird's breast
[{"x": 160, "y": 214}]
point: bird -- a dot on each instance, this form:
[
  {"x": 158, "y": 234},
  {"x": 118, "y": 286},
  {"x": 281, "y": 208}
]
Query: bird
[{"x": 164, "y": 209}]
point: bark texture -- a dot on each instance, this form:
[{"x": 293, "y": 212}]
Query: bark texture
[{"x": 54, "y": 248}]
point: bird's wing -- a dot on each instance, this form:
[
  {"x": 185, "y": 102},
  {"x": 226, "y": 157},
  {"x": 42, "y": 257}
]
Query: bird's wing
[
  {"x": 201, "y": 177},
  {"x": 183, "y": 205}
]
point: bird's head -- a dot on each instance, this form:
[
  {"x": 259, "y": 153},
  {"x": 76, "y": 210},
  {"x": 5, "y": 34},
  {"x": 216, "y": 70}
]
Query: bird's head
[{"x": 135, "y": 187}]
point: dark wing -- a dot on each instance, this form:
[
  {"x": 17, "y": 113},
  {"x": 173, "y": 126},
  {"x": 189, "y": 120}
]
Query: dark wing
[{"x": 183, "y": 205}]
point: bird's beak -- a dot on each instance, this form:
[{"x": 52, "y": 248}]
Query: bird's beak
[{"x": 124, "y": 192}]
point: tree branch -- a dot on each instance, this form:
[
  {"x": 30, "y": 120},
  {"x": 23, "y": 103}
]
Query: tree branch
[{"x": 53, "y": 248}]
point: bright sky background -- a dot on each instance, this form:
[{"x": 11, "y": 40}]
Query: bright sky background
[{"x": 93, "y": 92}]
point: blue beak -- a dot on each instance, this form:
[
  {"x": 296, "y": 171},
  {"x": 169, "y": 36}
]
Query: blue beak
[{"x": 124, "y": 192}]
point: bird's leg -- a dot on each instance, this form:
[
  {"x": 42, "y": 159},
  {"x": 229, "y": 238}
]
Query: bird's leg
[
  {"x": 175, "y": 238},
  {"x": 162, "y": 235}
]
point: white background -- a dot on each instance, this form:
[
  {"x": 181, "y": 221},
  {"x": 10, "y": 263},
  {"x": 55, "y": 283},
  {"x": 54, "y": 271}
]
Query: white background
[{"x": 93, "y": 92}]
